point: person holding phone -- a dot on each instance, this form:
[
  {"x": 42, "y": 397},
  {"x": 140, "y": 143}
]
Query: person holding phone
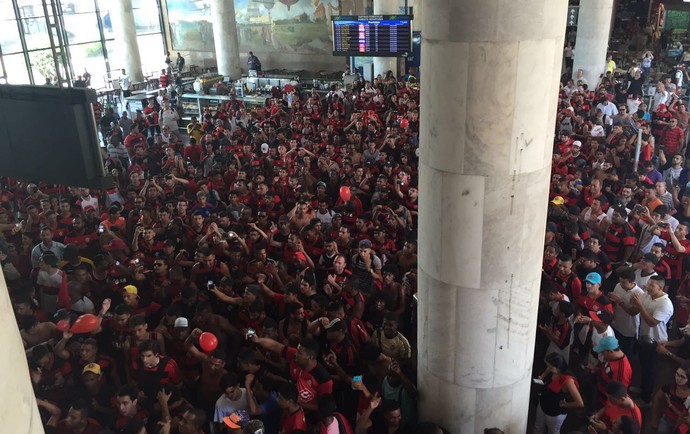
[{"x": 560, "y": 393}]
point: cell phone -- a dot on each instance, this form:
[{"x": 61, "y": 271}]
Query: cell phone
[
  {"x": 356, "y": 379},
  {"x": 100, "y": 229},
  {"x": 117, "y": 263},
  {"x": 136, "y": 261},
  {"x": 209, "y": 284},
  {"x": 663, "y": 225},
  {"x": 538, "y": 381},
  {"x": 250, "y": 333}
]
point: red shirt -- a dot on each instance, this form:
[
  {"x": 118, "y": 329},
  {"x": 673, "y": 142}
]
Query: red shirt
[
  {"x": 612, "y": 413},
  {"x": 613, "y": 370},
  {"x": 310, "y": 384},
  {"x": 290, "y": 422},
  {"x": 673, "y": 257},
  {"x": 92, "y": 427}
]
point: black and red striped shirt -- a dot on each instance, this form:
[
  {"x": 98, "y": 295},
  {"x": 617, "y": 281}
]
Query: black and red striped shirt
[{"x": 618, "y": 237}]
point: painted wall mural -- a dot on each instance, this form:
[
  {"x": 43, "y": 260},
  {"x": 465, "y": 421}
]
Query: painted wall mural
[{"x": 286, "y": 26}]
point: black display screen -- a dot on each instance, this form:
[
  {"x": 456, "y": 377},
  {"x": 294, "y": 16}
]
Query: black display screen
[{"x": 376, "y": 35}]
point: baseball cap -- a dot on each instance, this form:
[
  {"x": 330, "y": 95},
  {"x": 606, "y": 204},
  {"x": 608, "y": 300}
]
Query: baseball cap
[
  {"x": 551, "y": 227},
  {"x": 321, "y": 184},
  {"x": 181, "y": 322},
  {"x": 577, "y": 143},
  {"x": 88, "y": 208},
  {"x": 651, "y": 257},
  {"x": 594, "y": 278},
  {"x": 264, "y": 148},
  {"x": 604, "y": 316},
  {"x": 558, "y": 200},
  {"x": 607, "y": 343},
  {"x": 94, "y": 368},
  {"x": 365, "y": 244},
  {"x": 237, "y": 420},
  {"x": 574, "y": 210},
  {"x": 131, "y": 289},
  {"x": 616, "y": 389}
]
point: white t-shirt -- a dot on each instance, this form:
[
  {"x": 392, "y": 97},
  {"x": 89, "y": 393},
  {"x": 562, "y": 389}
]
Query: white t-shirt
[
  {"x": 623, "y": 322},
  {"x": 642, "y": 280},
  {"x": 225, "y": 407},
  {"x": 661, "y": 309},
  {"x": 596, "y": 337}
]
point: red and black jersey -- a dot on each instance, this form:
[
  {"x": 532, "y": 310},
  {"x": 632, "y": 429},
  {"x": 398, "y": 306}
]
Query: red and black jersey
[
  {"x": 149, "y": 380},
  {"x": 310, "y": 384},
  {"x": 589, "y": 304},
  {"x": 613, "y": 413},
  {"x": 92, "y": 427},
  {"x": 569, "y": 285},
  {"x": 122, "y": 421},
  {"x": 613, "y": 370},
  {"x": 292, "y": 421},
  {"x": 562, "y": 333},
  {"x": 618, "y": 238},
  {"x": 673, "y": 257}
]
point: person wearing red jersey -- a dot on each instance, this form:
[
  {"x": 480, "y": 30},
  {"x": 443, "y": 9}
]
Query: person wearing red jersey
[
  {"x": 615, "y": 367},
  {"x": 618, "y": 404},
  {"x": 154, "y": 369},
  {"x": 128, "y": 406},
  {"x": 77, "y": 421},
  {"x": 593, "y": 300},
  {"x": 293, "y": 414},
  {"x": 620, "y": 240},
  {"x": 312, "y": 378},
  {"x": 677, "y": 250},
  {"x": 565, "y": 279}
]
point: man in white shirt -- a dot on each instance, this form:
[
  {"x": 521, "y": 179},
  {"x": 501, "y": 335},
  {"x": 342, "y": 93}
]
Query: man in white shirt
[
  {"x": 46, "y": 245},
  {"x": 645, "y": 269},
  {"x": 626, "y": 319},
  {"x": 656, "y": 310},
  {"x": 125, "y": 84},
  {"x": 609, "y": 110}
]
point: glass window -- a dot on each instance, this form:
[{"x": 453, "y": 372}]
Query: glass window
[
  {"x": 114, "y": 56},
  {"x": 81, "y": 28},
  {"x": 9, "y": 37},
  {"x": 105, "y": 18},
  {"x": 147, "y": 19},
  {"x": 89, "y": 57},
  {"x": 42, "y": 66},
  {"x": 15, "y": 69},
  {"x": 152, "y": 54},
  {"x": 78, "y": 6},
  {"x": 32, "y": 8}
]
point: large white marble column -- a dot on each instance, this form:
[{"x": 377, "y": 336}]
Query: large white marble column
[
  {"x": 385, "y": 64},
  {"x": 488, "y": 104},
  {"x": 125, "y": 31},
  {"x": 593, "y": 30},
  {"x": 18, "y": 410},
  {"x": 225, "y": 38}
]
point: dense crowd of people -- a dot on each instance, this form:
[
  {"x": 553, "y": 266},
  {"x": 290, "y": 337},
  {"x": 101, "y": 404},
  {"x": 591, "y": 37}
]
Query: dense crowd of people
[
  {"x": 615, "y": 290},
  {"x": 254, "y": 272}
]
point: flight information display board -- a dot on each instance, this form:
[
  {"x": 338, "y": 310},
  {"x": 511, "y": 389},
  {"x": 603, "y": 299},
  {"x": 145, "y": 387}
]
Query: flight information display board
[{"x": 377, "y": 35}]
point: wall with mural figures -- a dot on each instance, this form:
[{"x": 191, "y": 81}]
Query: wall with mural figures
[{"x": 285, "y": 34}]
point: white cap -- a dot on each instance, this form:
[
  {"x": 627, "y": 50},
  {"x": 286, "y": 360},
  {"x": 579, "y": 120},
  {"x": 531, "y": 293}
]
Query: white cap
[
  {"x": 181, "y": 322},
  {"x": 264, "y": 148},
  {"x": 577, "y": 143}
]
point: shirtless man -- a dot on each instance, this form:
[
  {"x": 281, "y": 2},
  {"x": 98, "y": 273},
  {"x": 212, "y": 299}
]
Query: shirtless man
[{"x": 300, "y": 216}]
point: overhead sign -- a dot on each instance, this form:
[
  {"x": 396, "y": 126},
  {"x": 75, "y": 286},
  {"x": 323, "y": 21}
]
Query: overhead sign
[{"x": 573, "y": 12}]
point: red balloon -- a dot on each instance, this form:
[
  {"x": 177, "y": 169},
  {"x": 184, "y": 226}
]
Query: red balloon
[
  {"x": 208, "y": 341},
  {"x": 345, "y": 193},
  {"x": 85, "y": 324},
  {"x": 63, "y": 325},
  {"x": 404, "y": 123}
]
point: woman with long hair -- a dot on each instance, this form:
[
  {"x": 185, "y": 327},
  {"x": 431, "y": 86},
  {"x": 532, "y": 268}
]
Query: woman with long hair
[{"x": 559, "y": 394}]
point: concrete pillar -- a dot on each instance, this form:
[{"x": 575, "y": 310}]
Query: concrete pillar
[
  {"x": 126, "y": 37},
  {"x": 593, "y": 30},
  {"x": 225, "y": 38},
  {"x": 385, "y": 64},
  {"x": 18, "y": 410},
  {"x": 488, "y": 105}
]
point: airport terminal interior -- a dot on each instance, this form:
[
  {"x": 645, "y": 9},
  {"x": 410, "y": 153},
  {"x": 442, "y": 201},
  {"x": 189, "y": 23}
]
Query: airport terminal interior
[{"x": 349, "y": 216}]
